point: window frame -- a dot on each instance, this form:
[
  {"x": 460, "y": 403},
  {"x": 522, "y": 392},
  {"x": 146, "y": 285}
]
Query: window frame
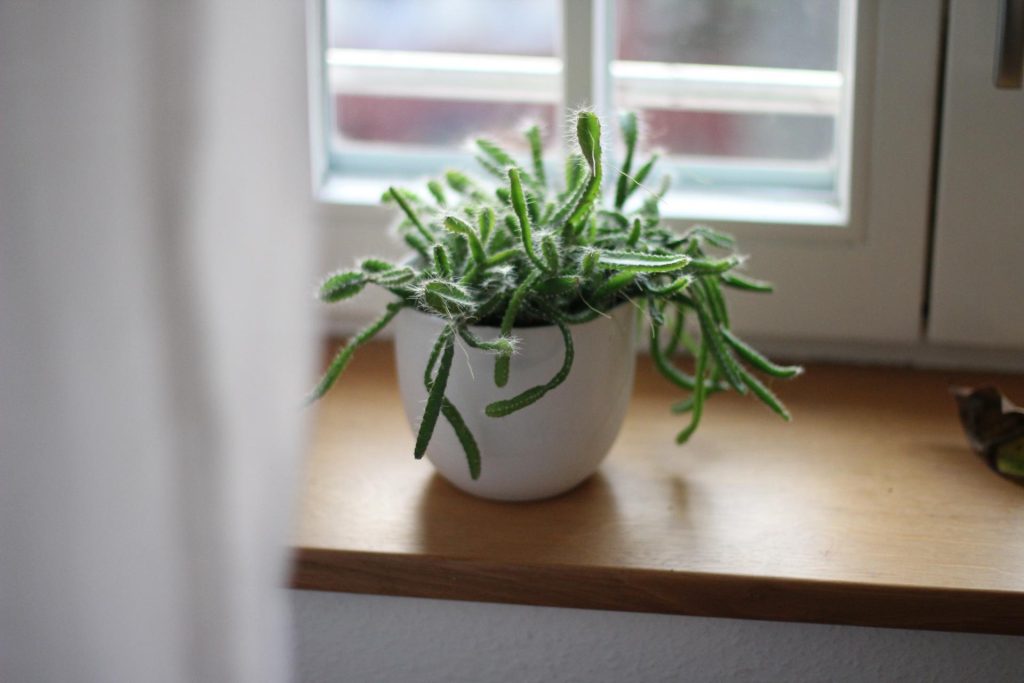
[
  {"x": 587, "y": 76},
  {"x": 861, "y": 285}
]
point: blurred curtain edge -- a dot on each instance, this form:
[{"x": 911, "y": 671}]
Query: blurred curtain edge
[{"x": 155, "y": 336}]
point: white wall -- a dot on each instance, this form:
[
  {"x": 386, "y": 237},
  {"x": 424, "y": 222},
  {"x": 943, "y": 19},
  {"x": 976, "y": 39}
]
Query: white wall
[{"x": 346, "y": 637}]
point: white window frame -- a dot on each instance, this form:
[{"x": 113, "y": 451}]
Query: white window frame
[
  {"x": 851, "y": 292},
  {"x": 587, "y": 34}
]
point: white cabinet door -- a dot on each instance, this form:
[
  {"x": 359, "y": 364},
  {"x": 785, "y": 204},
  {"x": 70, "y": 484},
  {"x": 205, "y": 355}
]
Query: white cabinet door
[{"x": 978, "y": 278}]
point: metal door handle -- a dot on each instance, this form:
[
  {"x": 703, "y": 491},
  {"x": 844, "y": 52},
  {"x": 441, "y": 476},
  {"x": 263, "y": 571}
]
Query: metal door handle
[{"x": 1010, "y": 45}]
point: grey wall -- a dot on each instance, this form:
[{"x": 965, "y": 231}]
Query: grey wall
[{"x": 354, "y": 638}]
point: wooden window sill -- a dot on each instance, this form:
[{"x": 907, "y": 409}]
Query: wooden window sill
[{"x": 869, "y": 509}]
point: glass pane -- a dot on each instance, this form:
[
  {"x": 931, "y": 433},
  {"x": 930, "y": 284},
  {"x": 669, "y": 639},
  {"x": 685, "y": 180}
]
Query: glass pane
[
  {"x": 708, "y": 133},
  {"x": 731, "y": 89},
  {"x": 787, "y": 34},
  {"x": 426, "y": 122},
  {"x": 519, "y": 27},
  {"x": 427, "y": 75}
]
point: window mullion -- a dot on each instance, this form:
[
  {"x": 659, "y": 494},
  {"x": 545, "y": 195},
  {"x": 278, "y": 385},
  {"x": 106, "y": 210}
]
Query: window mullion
[{"x": 587, "y": 44}]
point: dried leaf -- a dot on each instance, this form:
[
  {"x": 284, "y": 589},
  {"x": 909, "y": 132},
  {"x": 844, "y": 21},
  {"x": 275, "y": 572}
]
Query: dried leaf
[{"x": 995, "y": 429}]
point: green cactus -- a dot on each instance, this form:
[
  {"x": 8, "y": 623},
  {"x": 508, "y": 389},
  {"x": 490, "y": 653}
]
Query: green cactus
[{"x": 528, "y": 253}]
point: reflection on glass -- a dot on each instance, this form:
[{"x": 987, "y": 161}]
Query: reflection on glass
[
  {"x": 746, "y": 82},
  {"x": 438, "y": 122},
  {"x": 518, "y": 27},
  {"x": 397, "y": 75},
  {"x": 787, "y": 34},
  {"x": 708, "y": 133}
]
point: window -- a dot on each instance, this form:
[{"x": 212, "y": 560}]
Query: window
[
  {"x": 737, "y": 110},
  {"x": 804, "y": 127}
]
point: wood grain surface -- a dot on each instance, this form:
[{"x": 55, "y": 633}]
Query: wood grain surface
[{"x": 868, "y": 509}]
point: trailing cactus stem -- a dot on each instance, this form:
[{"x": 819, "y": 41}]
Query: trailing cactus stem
[
  {"x": 435, "y": 396},
  {"x": 501, "y": 365},
  {"x": 411, "y": 215},
  {"x": 628, "y": 124},
  {"x": 537, "y": 155},
  {"x": 533, "y": 394},
  {"x": 523, "y": 215},
  {"x": 344, "y": 355},
  {"x": 465, "y": 437},
  {"x": 664, "y": 364},
  {"x": 698, "y": 398}
]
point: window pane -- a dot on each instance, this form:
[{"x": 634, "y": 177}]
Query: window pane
[
  {"x": 516, "y": 27},
  {"x": 737, "y": 93},
  {"x": 424, "y": 76},
  {"x": 708, "y": 133},
  {"x": 426, "y": 122},
  {"x": 787, "y": 34}
]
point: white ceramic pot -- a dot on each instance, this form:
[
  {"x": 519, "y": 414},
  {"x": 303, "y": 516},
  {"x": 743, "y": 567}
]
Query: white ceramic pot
[{"x": 546, "y": 448}]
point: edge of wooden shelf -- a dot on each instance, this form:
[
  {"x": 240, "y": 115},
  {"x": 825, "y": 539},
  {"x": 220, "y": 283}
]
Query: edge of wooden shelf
[{"x": 664, "y": 592}]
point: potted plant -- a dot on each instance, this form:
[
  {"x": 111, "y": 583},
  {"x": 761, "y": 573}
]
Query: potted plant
[{"x": 541, "y": 288}]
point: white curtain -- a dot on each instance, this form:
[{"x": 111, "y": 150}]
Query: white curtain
[{"x": 154, "y": 336}]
